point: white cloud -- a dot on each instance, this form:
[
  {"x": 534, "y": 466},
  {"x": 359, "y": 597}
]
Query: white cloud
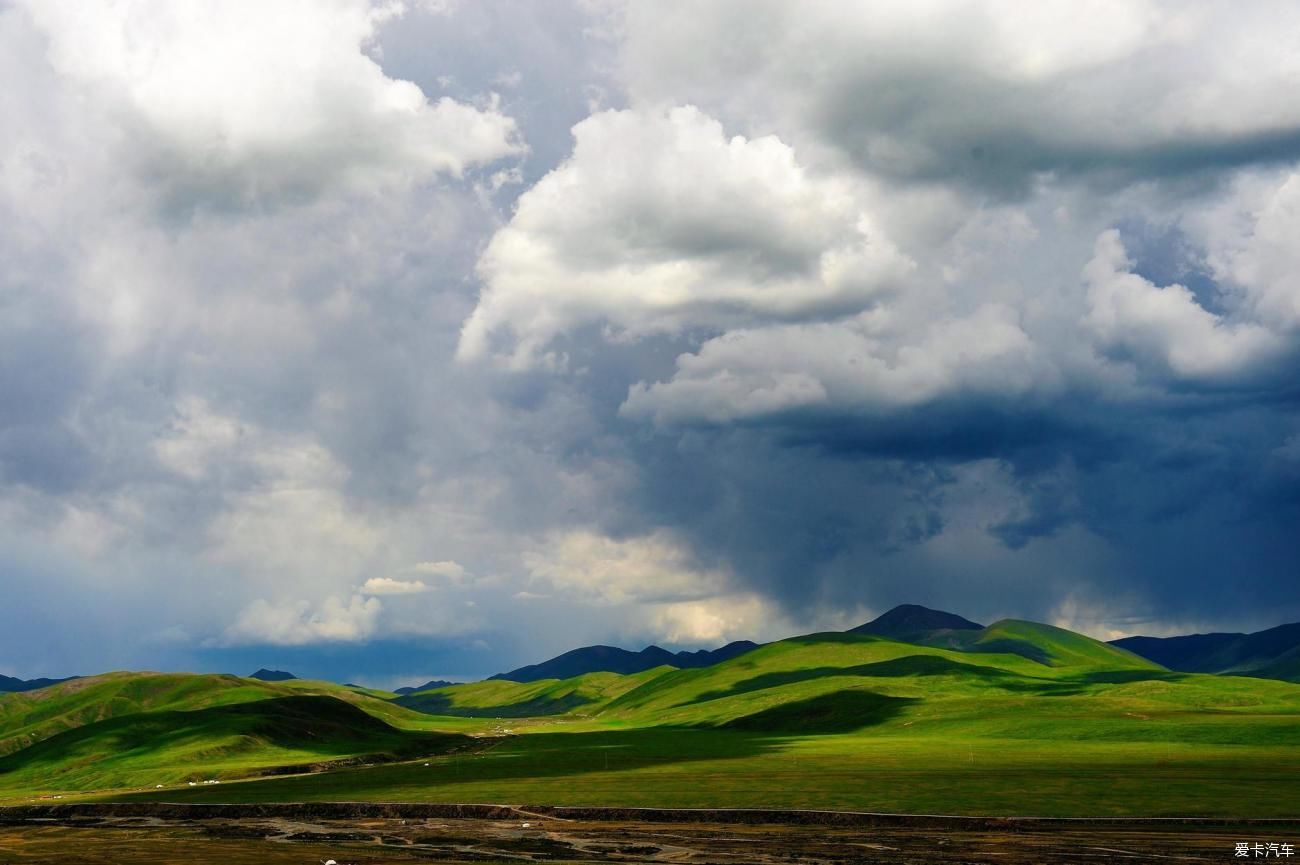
[
  {"x": 992, "y": 92},
  {"x": 450, "y": 571},
  {"x": 299, "y": 623},
  {"x": 390, "y": 586},
  {"x": 654, "y": 584},
  {"x": 197, "y": 437},
  {"x": 846, "y": 367},
  {"x": 715, "y": 620},
  {"x": 651, "y": 568},
  {"x": 1250, "y": 240},
  {"x": 245, "y": 102},
  {"x": 659, "y": 221},
  {"x": 1166, "y": 326}
]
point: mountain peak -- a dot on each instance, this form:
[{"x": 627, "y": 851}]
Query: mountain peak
[
  {"x": 590, "y": 659},
  {"x": 266, "y": 675},
  {"x": 910, "y": 619}
]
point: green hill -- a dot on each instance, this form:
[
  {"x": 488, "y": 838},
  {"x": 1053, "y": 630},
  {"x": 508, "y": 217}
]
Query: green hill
[
  {"x": 1053, "y": 647},
  {"x": 1015, "y": 717},
  {"x": 502, "y": 698},
  {"x": 27, "y": 718},
  {"x": 177, "y": 747}
]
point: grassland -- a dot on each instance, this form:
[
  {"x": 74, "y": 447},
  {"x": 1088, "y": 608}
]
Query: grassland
[{"x": 1016, "y": 719}]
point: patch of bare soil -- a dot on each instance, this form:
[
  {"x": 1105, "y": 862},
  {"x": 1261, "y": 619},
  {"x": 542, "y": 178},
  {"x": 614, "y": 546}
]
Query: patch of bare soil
[{"x": 277, "y": 839}]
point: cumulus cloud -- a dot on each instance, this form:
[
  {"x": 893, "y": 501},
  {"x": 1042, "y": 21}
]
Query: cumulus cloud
[
  {"x": 1167, "y": 327},
  {"x": 839, "y": 331},
  {"x": 450, "y": 571},
  {"x": 390, "y": 586},
  {"x": 655, "y": 567},
  {"x": 656, "y": 578},
  {"x": 986, "y": 94},
  {"x": 658, "y": 222},
  {"x": 300, "y": 623},
  {"x": 246, "y": 103},
  {"x": 1249, "y": 240},
  {"x": 843, "y": 367}
]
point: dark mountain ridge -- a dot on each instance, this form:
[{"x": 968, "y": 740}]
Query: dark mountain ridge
[
  {"x": 427, "y": 686},
  {"x": 265, "y": 675},
  {"x": 611, "y": 659},
  {"x": 1272, "y": 653},
  {"x": 913, "y": 620},
  {"x": 10, "y": 685}
]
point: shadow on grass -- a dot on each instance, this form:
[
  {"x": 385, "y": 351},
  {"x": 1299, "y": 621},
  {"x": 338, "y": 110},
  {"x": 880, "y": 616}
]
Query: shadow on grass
[
  {"x": 837, "y": 712},
  {"x": 1081, "y": 683},
  {"x": 542, "y": 756},
  {"x": 911, "y": 665},
  {"x": 319, "y": 725},
  {"x": 441, "y": 704}
]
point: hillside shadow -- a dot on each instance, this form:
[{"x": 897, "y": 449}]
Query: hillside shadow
[
  {"x": 441, "y": 704},
  {"x": 1009, "y": 646},
  {"x": 837, "y": 712},
  {"x": 542, "y": 755},
  {"x": 1079, "y": 684},
  {"x": 909, "y": 666},
  {"x": 319, "y": 725},
  {"x": 506, "y": 761}
]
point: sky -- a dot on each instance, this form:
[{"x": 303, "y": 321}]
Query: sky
[{"x": 386, "y": 341}]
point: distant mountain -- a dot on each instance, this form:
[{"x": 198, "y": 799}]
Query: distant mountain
[
  {"x": 1271, "y": 654},
  {"x": 8, "y": 684},
  {"x": 609, "y": 659},
  {"x": 427, "y": 686},
  {"x": 909, "y": 621},
  {"x": 266, "y": 675}
]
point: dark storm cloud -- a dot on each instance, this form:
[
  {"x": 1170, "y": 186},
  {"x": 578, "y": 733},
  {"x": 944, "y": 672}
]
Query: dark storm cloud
[{"x": 248, "y": 397}]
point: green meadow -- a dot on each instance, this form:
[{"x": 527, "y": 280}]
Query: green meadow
[{"x": 1016, "y": 719}]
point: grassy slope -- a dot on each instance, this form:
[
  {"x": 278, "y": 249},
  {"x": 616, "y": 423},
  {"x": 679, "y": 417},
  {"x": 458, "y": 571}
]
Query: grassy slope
[
  {"x": 27, "y": 718},
  {"x": 1078, "y": 744},
  {"x": 846, "y": 721},
  {"x": 499, "y": 698},
  {"x": 222, "y": 741}
]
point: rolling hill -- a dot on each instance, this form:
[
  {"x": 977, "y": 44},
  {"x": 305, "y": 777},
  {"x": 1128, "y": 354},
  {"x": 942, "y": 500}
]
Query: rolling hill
[
  {"x": 1270, "y": 654},
  {"x": 1022, "y": 719},
  {"x": 1015, "y": 717},
  {"x": 222, "y": 741}
]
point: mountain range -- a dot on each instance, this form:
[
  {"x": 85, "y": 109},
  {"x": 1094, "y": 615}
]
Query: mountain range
[
  {"x": 610, "y": 659},
  {"x": 1039, "y": 707},
  {"x": 11, "y": 685},
  {"x": 1270, "y": 654},
  {"x": 427, "y": 686},
  {"x": 265, "y": 675}
]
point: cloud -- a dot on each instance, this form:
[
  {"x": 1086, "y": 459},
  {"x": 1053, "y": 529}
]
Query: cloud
[
  {"x": 655, "y": 567},
  {"x": 390, "y": 586},
  {"x": 1166, "y": 327},
  {"x": 775, "y": 319},
  {"x": 988, "y": 94},
  {"x": 299, "y": 623},
  {"x": 451, "y": 571},
  {"x": 660, "y": 222},
  {"x": 715, "y": 621},
  {"x": 844, "y": 367},
  {"x": 248, "y": 104}
]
